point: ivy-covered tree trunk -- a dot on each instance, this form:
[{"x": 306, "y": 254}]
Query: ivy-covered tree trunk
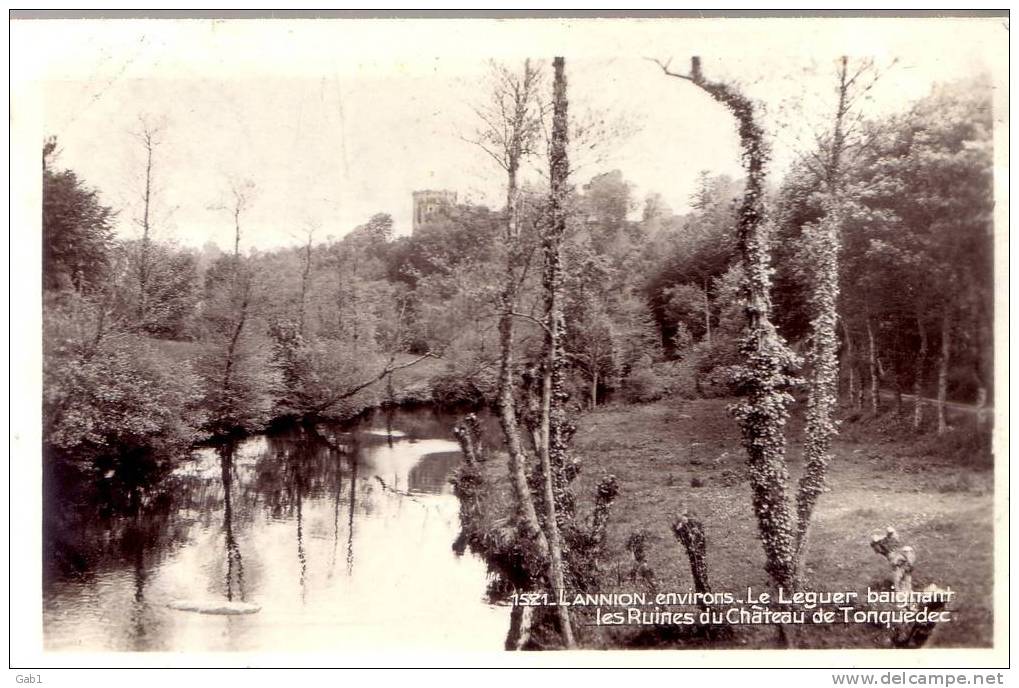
[
  {"x": 823, "y": 354},
  {"x": 766, "y": 359},
  {"x": 552, "y": 449},
  {"x": 555, "y": 354},
  {"x": 822, "y": 395}
]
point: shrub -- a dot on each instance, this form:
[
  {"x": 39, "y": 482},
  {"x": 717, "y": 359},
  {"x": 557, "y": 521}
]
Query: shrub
[
  {"x": 451, "y": 388},
  {"x": 243, "y": 402},
  {"x": 642, "y": 385},
  {"x": 113, "y": 393},
  {"x": 466, "y": 379}
]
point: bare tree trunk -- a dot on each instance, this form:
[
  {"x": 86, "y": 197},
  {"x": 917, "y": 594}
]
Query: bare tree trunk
[
  {"x": 707, "y": 314},
  {"x": 231, "y": 349},
  {"x": 594, "y": 389},
  {"x": 304, "y": 283},
  {"x": 981, "y": 371},
  {"x": 875, "y": 390},
  {"x": 527, "y": 515},
  {"x": 943, "y": 370},
  {"x": 519, "y": 633},
  {"x": 902, "y": 559},
  {"x": 850, "y": 361},
  {"x": 515, "y": 149},
  {"x": 981, "y": 406},
  {"x": 148, "y": 140},
  {"x": 240, "y": 296}
]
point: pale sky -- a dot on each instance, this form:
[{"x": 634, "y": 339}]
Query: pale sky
[{"x": 334, "y": 120}]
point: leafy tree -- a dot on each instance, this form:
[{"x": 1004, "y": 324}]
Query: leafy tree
[
  {"x": 106, "y": 392},
  {"x": 452, "y": 235},
  {"x": 77, "y": 231},
  {"x": 234, "y": 364},
  {"x": 172, "y": 290},
  {"x": 923, "y": 205},
  {"x": 697, "y": 251}
]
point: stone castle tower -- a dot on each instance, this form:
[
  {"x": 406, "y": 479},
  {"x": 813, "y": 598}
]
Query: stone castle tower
[{"x": 427, "y": 203}]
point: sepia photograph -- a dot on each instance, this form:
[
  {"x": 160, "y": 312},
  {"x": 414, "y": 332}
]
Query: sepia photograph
[{"x": 475, "y": 336}]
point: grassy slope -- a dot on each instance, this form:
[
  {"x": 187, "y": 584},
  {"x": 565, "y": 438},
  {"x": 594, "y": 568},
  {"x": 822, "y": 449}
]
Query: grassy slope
[{"x": 941, "y": 506}]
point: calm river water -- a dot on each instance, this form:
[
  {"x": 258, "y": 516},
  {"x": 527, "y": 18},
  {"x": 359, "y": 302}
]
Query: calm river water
[{"x": 343, "y": 544}]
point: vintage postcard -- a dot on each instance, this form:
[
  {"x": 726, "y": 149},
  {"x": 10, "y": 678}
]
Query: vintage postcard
[{"x": 441, "y": 340}]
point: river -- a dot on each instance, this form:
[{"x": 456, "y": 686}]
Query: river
[{"x": 339, "y": 545}]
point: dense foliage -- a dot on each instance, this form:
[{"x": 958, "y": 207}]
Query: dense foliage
[{"x": 211, "y": 342}]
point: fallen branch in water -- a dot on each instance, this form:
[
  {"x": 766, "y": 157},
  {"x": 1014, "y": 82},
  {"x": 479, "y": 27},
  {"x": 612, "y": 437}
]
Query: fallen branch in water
[{"x": 402, "y": 493}]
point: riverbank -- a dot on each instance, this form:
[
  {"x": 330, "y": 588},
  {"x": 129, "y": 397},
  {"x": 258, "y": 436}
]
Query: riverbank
[
  {"x": 408, "y": 386},
  {"x": 670, "y": 456}
]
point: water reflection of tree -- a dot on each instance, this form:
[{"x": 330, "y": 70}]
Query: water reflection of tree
[
  {"x": 427, "y": 423},
  {"x": 115, "y": 516},
  {"x": 301, "y": 463},
  {"x": 143, "y": 626},
  {"x": 234, "y": 561},
  {"x": 350, "y": 517},
  {"x": 95, "y": 518}
]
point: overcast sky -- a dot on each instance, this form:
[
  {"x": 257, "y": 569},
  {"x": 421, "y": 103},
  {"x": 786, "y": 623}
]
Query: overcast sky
[{"x": 334, "y": 120}]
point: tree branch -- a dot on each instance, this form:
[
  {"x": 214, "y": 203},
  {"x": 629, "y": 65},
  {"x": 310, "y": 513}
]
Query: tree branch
[
  {"x": 390, "y": 368},
  {"x": 530, "y": 318},
  {"x": 668, "y": 72}
]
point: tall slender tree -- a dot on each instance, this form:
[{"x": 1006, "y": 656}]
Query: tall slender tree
[
  {"x": 509, "y": 131},
  {"x": 149, "y": 136},
  {"x": 552, "y": 447},
  {"x": 766, "y": 360},
  {"x": 824, "y": 239}
]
